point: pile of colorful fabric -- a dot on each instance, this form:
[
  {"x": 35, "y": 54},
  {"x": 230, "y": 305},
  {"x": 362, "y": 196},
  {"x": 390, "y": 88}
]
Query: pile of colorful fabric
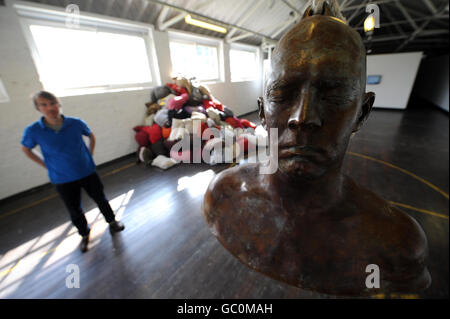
[{"x": 182, "y": 111}]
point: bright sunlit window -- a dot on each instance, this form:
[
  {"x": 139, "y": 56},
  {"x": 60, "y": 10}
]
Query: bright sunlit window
[
  {"x": 192, "y": 59},
  {"x": 73, "y": 59},
  {"x": 243, "y": 65},
  {"x": 97, "y": 56}
]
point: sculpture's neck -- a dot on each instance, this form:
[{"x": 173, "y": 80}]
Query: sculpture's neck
[{"x": 321, "y": 193}]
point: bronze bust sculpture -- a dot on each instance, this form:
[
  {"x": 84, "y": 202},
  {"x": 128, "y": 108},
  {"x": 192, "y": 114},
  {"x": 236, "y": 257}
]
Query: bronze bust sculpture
[{"x": 308, "y": 224}]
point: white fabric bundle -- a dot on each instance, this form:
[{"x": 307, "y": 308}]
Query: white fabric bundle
[
  {"x": 177, "y": 131},
  {"x": 198, "y": 116},
  {"x": 164, "y": 162}
]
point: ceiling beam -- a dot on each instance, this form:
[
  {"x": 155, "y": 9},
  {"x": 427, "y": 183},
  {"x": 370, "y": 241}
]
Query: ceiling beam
[
  {"x": 239, "y": 37},
  {"x": 164, "y": 25},
  {"x": 345, "y": 3},
  {"x": 292, "y": 7},
  {"x": 202, "y": 16},
  {"x": 423, "y": 33},
  {"x": 162, "y": 16},
  {"x": 391, "y": 18},
  {"x": 419, "y": 31},
  {"x": 436, "y": 17},
  {"x": 386, "y": 39},
  {"x": 407, "y": 15},
  {"x": 249, "y": 12},
  {"x": 357, "y": 11},
  {"x": 430, "y": 6},
  {"x": 364, "y": 4}
]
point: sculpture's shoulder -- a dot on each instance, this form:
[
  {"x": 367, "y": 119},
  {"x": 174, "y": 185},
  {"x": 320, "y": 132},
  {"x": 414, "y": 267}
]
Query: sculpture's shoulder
[
  {"x": 228, "y": 187},
  {"x": 395, "y": 237}
]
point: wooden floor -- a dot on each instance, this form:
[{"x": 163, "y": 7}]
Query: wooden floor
[{"x": 166, "y": 250}]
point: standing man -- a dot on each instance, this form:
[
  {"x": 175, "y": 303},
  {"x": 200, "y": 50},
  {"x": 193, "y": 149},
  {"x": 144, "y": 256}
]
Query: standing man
[{"x": 68, "y": 160}]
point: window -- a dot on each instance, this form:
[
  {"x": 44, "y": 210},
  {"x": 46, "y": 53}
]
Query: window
[
  {"x": 94, "y": 57},
  {"x": 244, "y": 64},
  {"x": 191, "y": 57}
]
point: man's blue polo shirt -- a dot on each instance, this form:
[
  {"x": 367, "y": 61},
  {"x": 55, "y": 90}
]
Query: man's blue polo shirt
[{"x": 65, "y": 154}]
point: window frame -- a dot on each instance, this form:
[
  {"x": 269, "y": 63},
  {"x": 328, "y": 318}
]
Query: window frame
[
  {"x": 258, "y": 62},
  {"x": 44, "y": 15},
  {"x": 189, "y": 38}
]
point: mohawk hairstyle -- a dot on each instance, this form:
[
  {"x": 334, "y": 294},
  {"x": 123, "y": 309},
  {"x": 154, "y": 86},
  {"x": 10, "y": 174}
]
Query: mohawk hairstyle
[{"x": 324, "y": 7}]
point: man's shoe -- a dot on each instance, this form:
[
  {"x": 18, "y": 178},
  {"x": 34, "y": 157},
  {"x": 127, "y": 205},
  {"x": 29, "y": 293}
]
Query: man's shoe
[
  {"x": 116, "y": 226},
  {"x": 84, "y": 243}
]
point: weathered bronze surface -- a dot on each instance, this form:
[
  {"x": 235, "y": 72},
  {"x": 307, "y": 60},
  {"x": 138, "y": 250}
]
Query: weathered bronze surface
[{"x": 308, "y": 224}]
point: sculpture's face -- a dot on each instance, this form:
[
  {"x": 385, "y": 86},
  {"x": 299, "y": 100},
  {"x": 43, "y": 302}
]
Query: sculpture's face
[{"x": 315, "y": 95}]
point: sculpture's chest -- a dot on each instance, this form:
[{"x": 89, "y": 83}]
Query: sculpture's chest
[{"x": 289, "y": 244}]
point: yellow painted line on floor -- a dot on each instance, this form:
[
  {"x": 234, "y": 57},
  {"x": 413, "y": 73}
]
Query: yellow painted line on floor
[
  {"x": 56, "y": 194},
  {"x": 425, "y": 211},
  {"x": 437, "y": 189},
  {"x": 7, "y": 271},
  {"x": 28, "y": 206},
  {"x": 119, "y": 169}
]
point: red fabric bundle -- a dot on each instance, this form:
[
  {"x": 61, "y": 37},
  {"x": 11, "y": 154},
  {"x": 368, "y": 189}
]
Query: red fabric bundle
[
  {"x": 234, "y": 122},
  {"x": 141, "y": 136},
  {"x": 246, "y": 123},
  {"x": 209, "y": 103},
  {"x": 154, "y": 132},
  {"x": 178, "y": 90}
]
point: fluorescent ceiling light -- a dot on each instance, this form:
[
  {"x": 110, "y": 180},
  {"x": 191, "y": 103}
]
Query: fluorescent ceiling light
[{"x": 188, "y": 19}]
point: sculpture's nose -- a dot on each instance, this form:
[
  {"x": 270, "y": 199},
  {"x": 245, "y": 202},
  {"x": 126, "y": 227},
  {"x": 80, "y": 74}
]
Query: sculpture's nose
[{"x": 304, "y": 112}]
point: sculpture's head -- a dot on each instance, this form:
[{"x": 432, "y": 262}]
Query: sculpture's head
[{"x": 315, "y": 93}]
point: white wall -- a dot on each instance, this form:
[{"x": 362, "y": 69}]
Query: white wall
[
  {"x": 398, "y": 73},
  {"x": 432, "y": 81},
  {"x": 111, "y": 116}
]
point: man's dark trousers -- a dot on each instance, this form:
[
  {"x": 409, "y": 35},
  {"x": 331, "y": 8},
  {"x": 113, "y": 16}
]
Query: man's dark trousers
[{"x": 71, "y": 195}]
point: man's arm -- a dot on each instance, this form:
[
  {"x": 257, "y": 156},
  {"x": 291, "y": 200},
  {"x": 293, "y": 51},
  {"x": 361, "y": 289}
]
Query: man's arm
[
  {"x": 92, "y": 143},
  {"x": 28, "y": 152}
]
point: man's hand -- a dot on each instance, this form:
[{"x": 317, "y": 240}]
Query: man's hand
[
  {"x": 92, "y": 143},
  {"x": 28, "y": 152}
]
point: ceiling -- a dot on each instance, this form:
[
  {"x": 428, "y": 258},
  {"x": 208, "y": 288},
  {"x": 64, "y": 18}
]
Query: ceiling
[{"x": 405, "y": 25}]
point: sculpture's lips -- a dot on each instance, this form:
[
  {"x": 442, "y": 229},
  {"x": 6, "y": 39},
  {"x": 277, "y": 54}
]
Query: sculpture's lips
[{"x": 301, "y": 153}]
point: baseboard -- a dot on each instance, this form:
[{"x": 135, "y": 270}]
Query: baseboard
[{"x": 47, "y": 186}]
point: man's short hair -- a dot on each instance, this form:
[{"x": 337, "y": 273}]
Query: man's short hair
[{"x": 44, "y": 95}]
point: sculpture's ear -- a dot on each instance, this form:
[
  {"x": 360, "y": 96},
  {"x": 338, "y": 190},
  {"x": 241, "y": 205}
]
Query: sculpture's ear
[
  {"x": 366, "y": 107},
  {"x": 261, "y": 114},
  {"x": 308, "y": 12}
]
